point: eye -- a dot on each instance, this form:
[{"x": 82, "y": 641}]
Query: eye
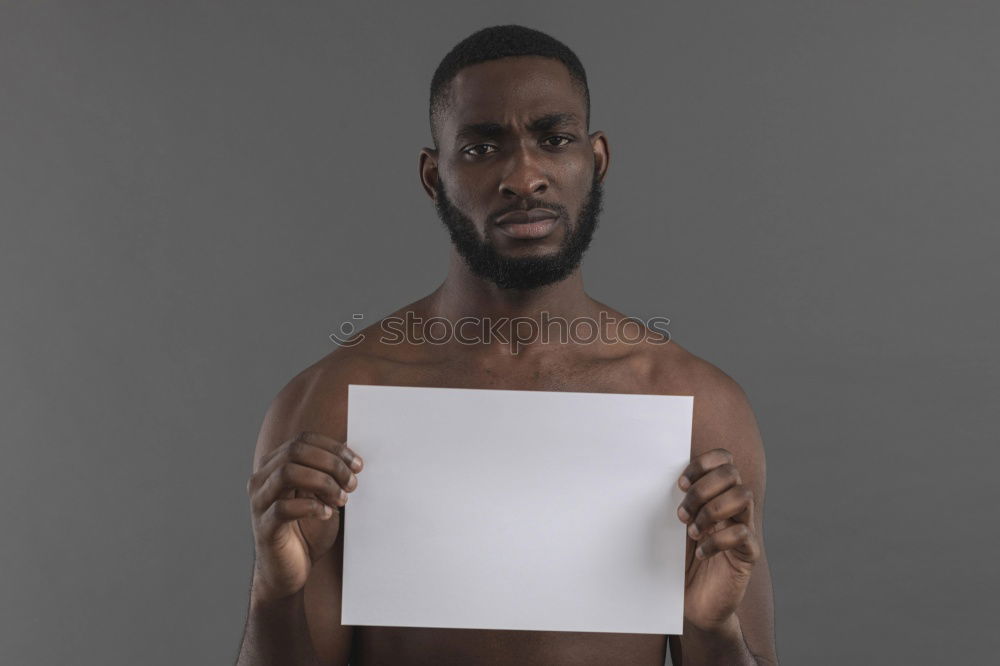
[
  {"x": 473, "y": 150},
  {"x": 559, "y": 138}
]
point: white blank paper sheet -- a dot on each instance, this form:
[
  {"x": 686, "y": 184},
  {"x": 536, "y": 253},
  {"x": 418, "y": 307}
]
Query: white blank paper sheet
[{"x": 531, "y": 510}]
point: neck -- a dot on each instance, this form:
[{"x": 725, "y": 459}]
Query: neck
[{"x": 464, "y": 294}]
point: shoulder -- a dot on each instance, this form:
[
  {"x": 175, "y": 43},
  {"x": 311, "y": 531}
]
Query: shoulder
[
  {"x": 723, "y": 416},
  {"x": 720, "y": 401},
  {"x": 358, "y": 359},
  {"x": 315, "y": 399},
  {"x": 327, "y": 377},
  {"x": 671, "y": 367}
]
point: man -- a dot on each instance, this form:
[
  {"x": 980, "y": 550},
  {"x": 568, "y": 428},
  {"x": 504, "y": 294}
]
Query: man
[{"x": 516, "y": 178}]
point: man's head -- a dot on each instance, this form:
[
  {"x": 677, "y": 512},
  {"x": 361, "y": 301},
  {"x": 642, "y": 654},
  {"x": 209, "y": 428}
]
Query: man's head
[{"x": 509, "y": 115}]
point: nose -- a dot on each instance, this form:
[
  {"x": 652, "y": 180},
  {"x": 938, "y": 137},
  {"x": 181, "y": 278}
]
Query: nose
[{"x": 524, "y": 176}]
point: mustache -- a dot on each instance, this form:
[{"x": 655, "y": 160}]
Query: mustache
[{"x": 526, "y": 204}]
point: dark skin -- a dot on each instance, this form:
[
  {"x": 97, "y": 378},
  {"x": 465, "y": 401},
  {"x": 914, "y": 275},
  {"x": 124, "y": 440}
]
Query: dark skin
[{"x": 303, "y": 462}]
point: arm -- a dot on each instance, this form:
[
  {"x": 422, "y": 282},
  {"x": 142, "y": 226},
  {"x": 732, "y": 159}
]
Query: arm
[
  {"x": 304, "y": 628},
  {"x": 277, "y": 633},
  {"x": 723, "y": 419}
]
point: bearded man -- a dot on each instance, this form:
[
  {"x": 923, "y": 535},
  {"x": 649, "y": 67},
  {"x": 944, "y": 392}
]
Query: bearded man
[{"x": 515, "y": 174}]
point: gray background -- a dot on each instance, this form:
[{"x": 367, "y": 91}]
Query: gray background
[{"x": 194, "y": 195}]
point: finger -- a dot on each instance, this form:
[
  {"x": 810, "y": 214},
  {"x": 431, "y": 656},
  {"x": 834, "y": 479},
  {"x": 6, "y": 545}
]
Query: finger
[
  {"x": 298, "y": 477},
  {"x": 336, "y": 447},
  {"x": 712, "y": 483},
  {"x": 332, "y": 445},
  {"x": 313, "y": 456},
  {"x": 701, "y": 465},
  {"x": 735, "y": 503},
  {"x": 737, "y": 538},
  {"x": 286, "y": 510}
]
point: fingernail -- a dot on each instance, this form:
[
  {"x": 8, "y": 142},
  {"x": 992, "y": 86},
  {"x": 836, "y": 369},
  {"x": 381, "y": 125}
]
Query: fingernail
[
  {"x": 356, "y": 464},
  {"x": 684, "y": 483},
  {"x": 685, "y": 516},
  {"x": 693, "y": 531},
  {"x": 699, "y": 553}
]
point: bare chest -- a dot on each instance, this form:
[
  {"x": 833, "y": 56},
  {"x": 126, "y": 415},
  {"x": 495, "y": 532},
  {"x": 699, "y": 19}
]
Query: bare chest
[
  {"x": 402, "y": 646},
  {"x": 625, "y": 374}
]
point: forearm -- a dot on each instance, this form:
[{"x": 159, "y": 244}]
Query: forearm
[
  {"x": 277, "y": 634},
  {"x": 723, "y": 646}
]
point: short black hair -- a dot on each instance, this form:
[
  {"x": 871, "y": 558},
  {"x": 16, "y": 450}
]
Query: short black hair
[{"x": 493, "y": 43}]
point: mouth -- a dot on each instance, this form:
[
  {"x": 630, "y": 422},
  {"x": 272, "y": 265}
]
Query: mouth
[{"x": 528, "y": 224}]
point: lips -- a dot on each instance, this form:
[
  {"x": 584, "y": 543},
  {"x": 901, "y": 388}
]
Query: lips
[
  {"x": 526, "y": 216},
  {"x": 528, "y": 224}
]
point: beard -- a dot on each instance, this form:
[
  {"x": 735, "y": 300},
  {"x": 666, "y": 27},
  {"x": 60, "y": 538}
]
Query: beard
[{"x": 506, "y": 272}]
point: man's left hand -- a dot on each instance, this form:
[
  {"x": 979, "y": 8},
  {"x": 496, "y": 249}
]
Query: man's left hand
[{"x": 722, "y": 546}]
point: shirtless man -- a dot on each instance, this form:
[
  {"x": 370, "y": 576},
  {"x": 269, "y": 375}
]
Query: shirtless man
[{"x": 510, "y": 121}]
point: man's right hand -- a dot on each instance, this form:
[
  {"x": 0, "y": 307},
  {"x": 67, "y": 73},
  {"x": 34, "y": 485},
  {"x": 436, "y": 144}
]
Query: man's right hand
[{"x": 295, "y": 497}]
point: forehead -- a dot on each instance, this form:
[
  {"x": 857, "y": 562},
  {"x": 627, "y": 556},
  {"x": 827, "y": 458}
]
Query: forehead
[{"x": 511, "y": 89}]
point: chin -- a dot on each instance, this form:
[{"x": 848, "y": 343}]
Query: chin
[{"x": 530, "y": 253}]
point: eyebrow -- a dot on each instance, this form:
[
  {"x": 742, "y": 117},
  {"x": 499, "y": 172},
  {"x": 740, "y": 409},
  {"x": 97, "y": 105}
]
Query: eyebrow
[{"x": 546, "y": 123}]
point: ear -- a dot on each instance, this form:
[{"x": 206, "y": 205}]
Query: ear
[
  {"x": 429, "y": 171},
  {"x": 602, "y": 153}
]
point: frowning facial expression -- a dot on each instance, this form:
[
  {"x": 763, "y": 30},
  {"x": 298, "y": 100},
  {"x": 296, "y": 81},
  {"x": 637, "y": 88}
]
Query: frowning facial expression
[{"x": 516, "y": 179}]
